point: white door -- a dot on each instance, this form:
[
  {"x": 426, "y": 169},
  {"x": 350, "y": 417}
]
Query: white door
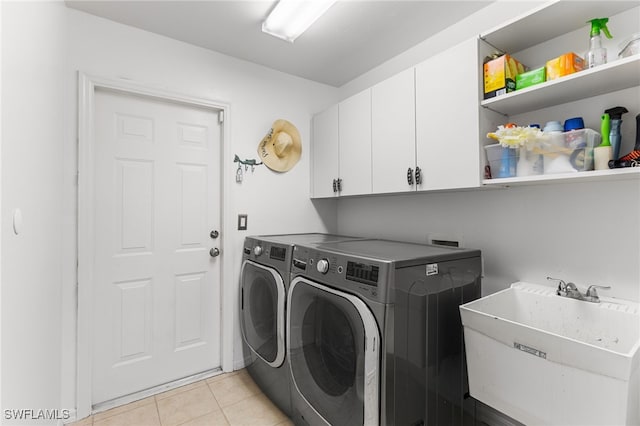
[{"x": 156, "y": 306}]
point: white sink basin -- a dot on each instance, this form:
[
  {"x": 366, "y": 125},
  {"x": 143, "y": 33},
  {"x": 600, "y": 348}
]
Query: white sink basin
[{"x": 546, "y": 359}]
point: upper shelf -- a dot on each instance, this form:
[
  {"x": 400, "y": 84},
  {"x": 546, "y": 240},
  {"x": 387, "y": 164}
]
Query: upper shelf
[
  {"x": 550, "y": 21},
  {"x": 611, "y": 77}
]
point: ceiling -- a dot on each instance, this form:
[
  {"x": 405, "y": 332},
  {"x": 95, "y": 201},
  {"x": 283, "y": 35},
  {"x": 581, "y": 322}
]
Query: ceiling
[{"x": 353, "y": 37}]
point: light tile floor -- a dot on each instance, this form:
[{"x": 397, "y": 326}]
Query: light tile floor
[{"x": 231, "y": 399}]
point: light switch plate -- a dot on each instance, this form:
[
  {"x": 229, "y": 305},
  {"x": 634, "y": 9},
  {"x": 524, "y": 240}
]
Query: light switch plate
[{"x": 242, "y": 222}]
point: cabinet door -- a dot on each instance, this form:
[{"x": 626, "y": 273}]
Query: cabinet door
[
  {"x": 447, "y": 126},
  {"x": 393, "y": 135},
  {"x": 324, "y": 155},
  {"x": 354, "y": 126}
]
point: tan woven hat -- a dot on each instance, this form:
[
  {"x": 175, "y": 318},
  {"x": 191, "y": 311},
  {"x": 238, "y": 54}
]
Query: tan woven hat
[{"x": 281, "y": 148}]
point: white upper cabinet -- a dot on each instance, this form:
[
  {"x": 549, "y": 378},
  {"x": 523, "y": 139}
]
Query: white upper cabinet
[
  {"x": 447, "y": 119},
  {"x": 354, "y": 128},
  {"x": 393, "y": 136},
  {"x": 324, "y": 154},
  {"x": 341, "y": 154}
]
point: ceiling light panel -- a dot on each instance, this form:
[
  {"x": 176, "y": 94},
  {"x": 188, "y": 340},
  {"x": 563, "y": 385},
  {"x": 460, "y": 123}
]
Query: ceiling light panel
[{"x": 290, "y": 18}]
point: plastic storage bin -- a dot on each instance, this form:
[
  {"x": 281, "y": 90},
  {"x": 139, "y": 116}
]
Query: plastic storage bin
[
  {"x": 562, "y": 152},
  {"x": 502, "y": 161},
  {"x": 630, "y": 47},
  {"x": 573, "y": 152}
]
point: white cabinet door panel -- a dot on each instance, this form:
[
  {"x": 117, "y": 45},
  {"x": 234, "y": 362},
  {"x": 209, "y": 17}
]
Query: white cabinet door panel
[
  {"x": 354, "y": 126},
  {"x": 447, "y": 111},
  {"x": 325, "y": 153},
  {"x": 393, "y": 135}
]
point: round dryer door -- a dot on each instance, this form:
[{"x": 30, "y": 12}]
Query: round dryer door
[
  {"x": 262, "y": 311},
  {"x": 333, "y": 350}
]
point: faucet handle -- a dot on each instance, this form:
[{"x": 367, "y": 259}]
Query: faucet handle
[
  {"x": 562, "y": 285},
  {"x": 592, "y": 292}
]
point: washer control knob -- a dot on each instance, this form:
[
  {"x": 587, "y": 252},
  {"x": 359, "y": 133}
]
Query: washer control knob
[
  {"x": 323, "y": 266},
  {"x": 257, "y": 250}
]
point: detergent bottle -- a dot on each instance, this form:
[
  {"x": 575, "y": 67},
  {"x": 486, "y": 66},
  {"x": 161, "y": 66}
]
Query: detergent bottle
[
  {"x": 597, "y": 55},
  {"x": 603, "y": 152}
]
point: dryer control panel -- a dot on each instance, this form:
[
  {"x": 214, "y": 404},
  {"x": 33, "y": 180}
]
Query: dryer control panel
[{"x": 267, "y": 253}]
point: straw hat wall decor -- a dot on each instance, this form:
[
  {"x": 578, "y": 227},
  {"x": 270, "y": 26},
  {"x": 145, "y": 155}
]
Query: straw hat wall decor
[{"x": 281, "y": 148}]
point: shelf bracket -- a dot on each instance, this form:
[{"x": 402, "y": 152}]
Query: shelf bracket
[
  {"x": 490, "y": 44},
  {"x": 493, "y": 110}
]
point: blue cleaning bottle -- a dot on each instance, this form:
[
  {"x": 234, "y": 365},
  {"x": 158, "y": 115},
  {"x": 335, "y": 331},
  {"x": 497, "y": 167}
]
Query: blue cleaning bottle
[{"x": 615, "y": 134}]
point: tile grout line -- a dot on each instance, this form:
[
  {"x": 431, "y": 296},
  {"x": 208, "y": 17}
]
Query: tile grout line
[
  {"x": 219, "y": 405},
  {"x": 155, "y": 400}
]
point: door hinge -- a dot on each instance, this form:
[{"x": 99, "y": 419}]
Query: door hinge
[{"x": 220, "y": 116}]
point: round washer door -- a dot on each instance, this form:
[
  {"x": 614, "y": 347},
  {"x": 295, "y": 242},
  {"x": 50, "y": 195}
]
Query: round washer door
[
  {"x": 334, "y": 353},
  {"x": 262, "y": 311}
]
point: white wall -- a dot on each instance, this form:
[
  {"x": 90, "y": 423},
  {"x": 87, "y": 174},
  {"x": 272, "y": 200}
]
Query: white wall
[
  {"x": 583, "y": 232},
  {"x": 33, "y": 55},
  {"x": 1, "y": 138},
  {"x": 485, "y": 19},
  {"x": 257, "y": 96}
]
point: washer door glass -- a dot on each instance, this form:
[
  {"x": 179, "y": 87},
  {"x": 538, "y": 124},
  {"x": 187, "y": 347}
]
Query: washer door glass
[
  {"x": 262, "y": 311},
  {"x": 328, "y": 331}
]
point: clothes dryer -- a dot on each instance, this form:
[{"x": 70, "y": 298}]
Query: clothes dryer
[
  {"x": 374, "y": 334},
  {"x": 264, "y": 281}
]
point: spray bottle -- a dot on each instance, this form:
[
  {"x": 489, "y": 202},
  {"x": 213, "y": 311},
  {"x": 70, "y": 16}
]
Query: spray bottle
[
  {"x": 597, "y": 54},
  {"x": 615, "y": 136}
]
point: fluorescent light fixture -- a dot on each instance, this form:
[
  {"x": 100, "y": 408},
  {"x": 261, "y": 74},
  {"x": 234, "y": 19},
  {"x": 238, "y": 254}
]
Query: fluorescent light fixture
[{"x": 290, "y": 18}]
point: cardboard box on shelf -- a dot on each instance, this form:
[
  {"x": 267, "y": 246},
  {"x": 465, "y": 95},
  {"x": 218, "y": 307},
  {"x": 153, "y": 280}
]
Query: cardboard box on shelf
[
  {"x": 500, "y": 75},
  {"x": 564, "y": 65},
  {"x": 530, "y": 78}
]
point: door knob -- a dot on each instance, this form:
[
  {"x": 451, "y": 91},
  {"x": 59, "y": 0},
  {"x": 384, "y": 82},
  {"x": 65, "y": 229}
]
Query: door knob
[
  {"x": 214, "y": 252},
  {"x": 214, "y": 234}
]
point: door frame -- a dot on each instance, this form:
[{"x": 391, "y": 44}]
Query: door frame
[{"x": 87, "y": 86}]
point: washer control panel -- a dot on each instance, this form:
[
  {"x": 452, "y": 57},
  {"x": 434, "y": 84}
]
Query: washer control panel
[
  {"x": 322, "y": 266},
  {"x": 364, "y": 273},
  {"x": 358, "y": 275}
]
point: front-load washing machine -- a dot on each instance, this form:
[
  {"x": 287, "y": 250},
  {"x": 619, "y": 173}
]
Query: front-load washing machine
[
  {"x": 264, "y": 282},
  {"x": 374, "y": 334}
]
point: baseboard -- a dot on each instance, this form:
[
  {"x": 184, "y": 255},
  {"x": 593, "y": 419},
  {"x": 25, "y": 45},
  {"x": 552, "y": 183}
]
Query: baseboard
[{"x": 239, "y": 364}]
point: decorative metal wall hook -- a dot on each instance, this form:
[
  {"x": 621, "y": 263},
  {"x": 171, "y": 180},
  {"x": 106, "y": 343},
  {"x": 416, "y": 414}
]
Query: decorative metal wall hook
[{"x": 247, "y": 163}]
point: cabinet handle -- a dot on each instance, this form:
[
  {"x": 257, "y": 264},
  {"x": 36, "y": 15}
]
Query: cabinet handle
[
  {"x": 335, "y": 186},
  {"x": 339, "y": 185},
  {"x": 418, "y": 176},
  {"x": 410, "y": 176}
]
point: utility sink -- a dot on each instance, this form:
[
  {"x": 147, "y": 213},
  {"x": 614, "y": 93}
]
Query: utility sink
[{"x": 545, "y": 359}]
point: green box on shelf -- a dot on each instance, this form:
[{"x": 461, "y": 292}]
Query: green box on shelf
[{"x": 530, "y": 78}]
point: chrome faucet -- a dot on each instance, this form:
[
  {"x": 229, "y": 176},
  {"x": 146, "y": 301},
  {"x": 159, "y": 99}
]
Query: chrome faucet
[{"x": 571, "y": 290}]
